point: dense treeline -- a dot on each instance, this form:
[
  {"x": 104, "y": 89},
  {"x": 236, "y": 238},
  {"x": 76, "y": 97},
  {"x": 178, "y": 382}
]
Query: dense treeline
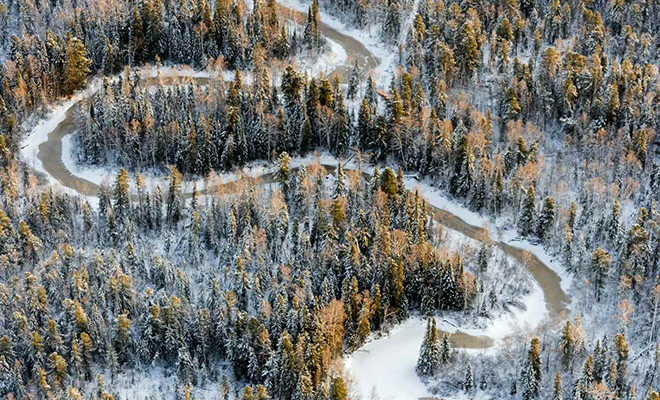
[
  {"x": 542, "y": 114},
  {"x": 277, "y": 283},
  {"x": 213, "y": 126},
  {"x": 61, "y": 44}
]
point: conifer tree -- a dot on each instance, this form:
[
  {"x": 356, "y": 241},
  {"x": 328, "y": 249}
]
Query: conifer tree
[
  {"x": 655, "y": 181},
  {"x": 510, "y": 107},
  {"x": 121, "y": 195},
  {"x": 312, "y": 34},
  {"x": 377, "y": 309},
  {"x": 558, "y": 392},
  {"x": 567, "y": 344},
  {"x": 445, "y": 350},
  {"x": 468, "y": 383},
  {"x": 353, "y": 81},
  {"x": 342, "y": 127},
  {"x": 614, "y": 226},
  {"x": 388, "y": 183},
  {"x": 463, "y": 178},
  {"x": 364, "y": 326},
  {"x": 174, "y": 198},
  {"x": 392, "y": 26},
  {"x": 622, "y": 350},
  {"x": 600, "y": 264},
  {"x": 284, "y": 173},
  {"x": 532, "y": 372},
  {"x": 429, "y": 360},
  {"x": 547, "y": 218},
  {"x": 527, "y": 219},
  {"x": 338, "y": 389},
  {"x": 469, "y": 54},
  {"x": 365, "y": 124},
  {"x": 77, "y": 66},
  {"x": 572, "y": 216}
]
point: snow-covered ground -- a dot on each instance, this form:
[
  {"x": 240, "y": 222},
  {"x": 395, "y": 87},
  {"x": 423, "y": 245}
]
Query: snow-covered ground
[
  {"x": 509, "y": 236},
  {"x": 386, "y": 366},
  {"x": 326, "y": 62},
  {"x": 384, "y": 53},
  {"x": 388, "y": 363},
  {"x": 396, "y": 379},
  {"x": 39, "y": 133}
]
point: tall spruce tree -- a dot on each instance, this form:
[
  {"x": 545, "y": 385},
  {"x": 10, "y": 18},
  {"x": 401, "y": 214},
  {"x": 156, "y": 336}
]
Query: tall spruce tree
[
  {"x": 526, "y": 222},
  {"x": 429, "y": 360},
  {"x": 532, "y": 372}
]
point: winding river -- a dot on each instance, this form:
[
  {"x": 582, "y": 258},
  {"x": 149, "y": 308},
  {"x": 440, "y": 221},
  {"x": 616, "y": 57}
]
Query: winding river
[{"x": 49, "y": 153}]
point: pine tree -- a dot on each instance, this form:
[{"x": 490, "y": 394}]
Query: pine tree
[
  {"x": 340, "y": 186},
  {"x": 527, "y": 219},
  {"x": 224, "y": 388},
  {"x": 546, "y": 218},
  {"x": 377, "y": 309},
  {"x": 614, "y": 232},
  {"x": 284, "y": 173},
  {"x": 655, "y": 181},
  {"x": 469, "y": 55},
  {"x": 600, "y": 362},
  {"x": 304, "y": 389},
  {"x": 532, "y": 373},
  {"x": 510, "y": 108},
  {"x": 77, "y": 66},
  {"x": 587, "y": 378},
  {"x": 567, "y": 344},
  {"x": 558, "y": 392},
  {"x": 312, "y": 34},
  {"x": 292, "y": 84},
  {"x": 122, "y": 196},
  {"x": 307, "y": 140},
  {"x": 325, "y": 94},
  {"x": 174, "y": 198},
  {"x": 498, "y": 191},
  {"x": 364, "y": 327},
  {"x": 151, "y": 13},
  {"x": 445, "y": 350},
  {"x": 396, "y": 284},
  {"x": 371, "y": 94},
  {"x": 282, "y": 46},
  {"x": 572, "y": 216},
  {"x": 365, "y": 123},
  {"x": 338, "y": 389},
  {"x": 622, "y": 350},
  {"x": 342, "y": 127},
  {"x": 484, "y": 255},
  {"x": 353, "y": 81},
  {"x": 137, "y": 39},
  {"x": 463, "y": 178},
  {"x": 392, "y": 26},
  {"x": 429, "y": 360},
  {"x": 600, "y": 264},
  {"x": 388, "y": 183},
  {"x": 468, "y": 383},
  {"x": 449, "y": 293}
]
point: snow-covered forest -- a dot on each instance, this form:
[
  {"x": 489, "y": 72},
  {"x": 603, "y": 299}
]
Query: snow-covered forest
[{"x": 329, "y": 200}]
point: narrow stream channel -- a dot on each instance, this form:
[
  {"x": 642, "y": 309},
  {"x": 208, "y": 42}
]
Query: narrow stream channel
[{"x": 556, "y": 301}]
